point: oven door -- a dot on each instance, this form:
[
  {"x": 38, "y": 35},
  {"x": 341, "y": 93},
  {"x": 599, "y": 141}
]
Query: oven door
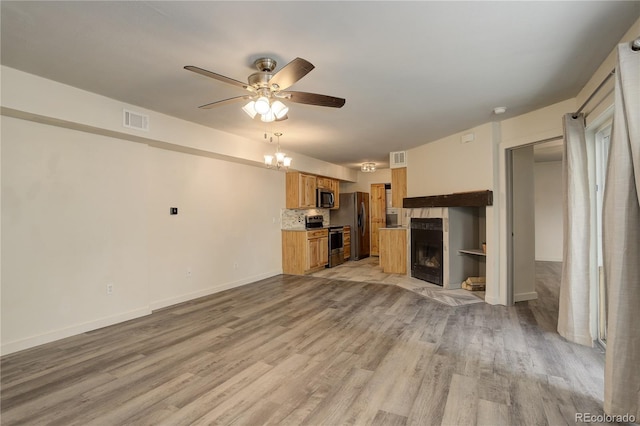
[{"x": 336, "y": 247}]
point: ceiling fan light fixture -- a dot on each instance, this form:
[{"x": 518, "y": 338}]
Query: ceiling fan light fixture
[
  {"x": 368, "y": 167},
  {"x": 279, "y": 109},
  {"x": 268, "y": 117},
  {"x": 262, "y": 105},
  {"x": 250, "y": 109}
]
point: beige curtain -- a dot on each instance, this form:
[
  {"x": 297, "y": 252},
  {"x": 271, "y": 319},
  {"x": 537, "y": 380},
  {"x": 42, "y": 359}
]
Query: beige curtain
[
  {"x": 621, "y": 242},
  {"x": 573, "y": 315}
]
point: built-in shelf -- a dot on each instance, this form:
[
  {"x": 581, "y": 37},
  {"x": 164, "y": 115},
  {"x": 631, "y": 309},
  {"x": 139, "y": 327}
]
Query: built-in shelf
[{"x": 476, "y": 252}]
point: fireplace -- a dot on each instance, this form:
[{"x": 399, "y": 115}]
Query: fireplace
[{"x": 427, "y": 259}]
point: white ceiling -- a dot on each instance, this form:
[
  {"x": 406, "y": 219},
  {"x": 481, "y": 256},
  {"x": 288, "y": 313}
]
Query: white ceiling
[{"x": 411, "y": 72}]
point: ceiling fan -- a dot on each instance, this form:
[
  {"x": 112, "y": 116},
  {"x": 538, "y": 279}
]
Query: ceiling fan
[{"x": 267, "y": 89}]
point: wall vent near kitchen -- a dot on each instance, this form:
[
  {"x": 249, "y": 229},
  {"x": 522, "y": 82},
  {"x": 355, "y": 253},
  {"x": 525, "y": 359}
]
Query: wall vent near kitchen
[
  {"x": 398, "y": 159},
  {"x": 135, "y": 120}
]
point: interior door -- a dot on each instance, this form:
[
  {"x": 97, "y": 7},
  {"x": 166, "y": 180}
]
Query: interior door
[{"x": 378, "y": 215}]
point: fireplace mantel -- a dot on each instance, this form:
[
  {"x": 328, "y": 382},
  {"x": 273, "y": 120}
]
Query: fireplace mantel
[{"x": 458, "y": 199}]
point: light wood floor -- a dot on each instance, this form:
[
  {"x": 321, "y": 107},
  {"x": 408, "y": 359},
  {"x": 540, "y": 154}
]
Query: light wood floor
[{"x": 307, "y": 350}]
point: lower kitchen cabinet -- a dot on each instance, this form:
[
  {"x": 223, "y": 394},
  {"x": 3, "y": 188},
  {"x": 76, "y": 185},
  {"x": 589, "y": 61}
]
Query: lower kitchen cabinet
[
  {"x": 393, "y": 250},
  {"x": 304, "y": 251}
]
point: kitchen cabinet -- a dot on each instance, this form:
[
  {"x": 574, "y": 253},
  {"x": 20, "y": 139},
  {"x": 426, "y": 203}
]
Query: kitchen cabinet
[
  {"x": 393, "y": 250},
  {"x": 300, "y": 191},
  {"x": 378, "y": 214},
  {"x": 304, "y": 251},
  {"x": 398, "y": 186},
  {"x": 346, "y": 242}
]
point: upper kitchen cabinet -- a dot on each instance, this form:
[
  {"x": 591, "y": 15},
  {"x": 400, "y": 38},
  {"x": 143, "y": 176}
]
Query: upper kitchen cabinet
[
  {"x": 301, "y": 191},
  {"x": 398, "y": 186}
]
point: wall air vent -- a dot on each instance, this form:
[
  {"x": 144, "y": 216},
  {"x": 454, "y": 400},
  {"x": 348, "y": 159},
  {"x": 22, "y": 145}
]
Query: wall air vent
[
  {"x": 135, "y": 120},
  {"x": 398, "y": 159}
]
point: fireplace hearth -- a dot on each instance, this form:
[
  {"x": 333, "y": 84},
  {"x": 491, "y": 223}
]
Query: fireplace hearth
[{"x": 427, "y": 258}]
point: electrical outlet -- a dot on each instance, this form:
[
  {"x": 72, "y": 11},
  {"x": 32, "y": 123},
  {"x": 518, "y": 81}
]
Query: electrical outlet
[
  {"x": 188, "y": 273},
  {"x": 109, "y": 289},
  {"x": 235, "y": 265}
]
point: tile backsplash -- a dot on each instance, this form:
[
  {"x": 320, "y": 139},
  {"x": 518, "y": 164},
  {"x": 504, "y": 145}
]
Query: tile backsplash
[{"x": 294, "y": 218}]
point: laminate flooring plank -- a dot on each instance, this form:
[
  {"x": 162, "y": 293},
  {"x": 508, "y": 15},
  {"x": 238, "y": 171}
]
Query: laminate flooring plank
[
  {"x": 556, "y": 400},
  {"x": 384, "y": 418},
  {"x": 492, "y": 414},
  {"x": 226, "y": 411},
  {"x": 201, "y": 404},
  {"x": 462, "y": 401},
  {"x": 134, "y": 407},
  {"x": 333, "y": 407},
  {"x": 429, "y": 403},
  {"x": 53, "y": 404},
  {"x": 526, "y": 403}
]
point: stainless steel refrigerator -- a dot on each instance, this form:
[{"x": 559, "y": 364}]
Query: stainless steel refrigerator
[{"x": 354, "y": 211}]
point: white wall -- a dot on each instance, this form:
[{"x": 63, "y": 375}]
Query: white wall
[
  {"x": 73, "y": 220},
  {"x": 548, "y": 211},
  {"x": 80, "y": 211},
  {"x": 365, "y": 180},
  {"x": 225, "y": 237},
  {"x": 467, "y": 166},
  {"x": 85, "y": 203}
]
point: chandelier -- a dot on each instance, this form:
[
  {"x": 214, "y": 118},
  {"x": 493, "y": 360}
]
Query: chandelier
[
  {"x": 279, "y": 159},
  {"x": 368, "y": 167},
  {"x": 269, "y": 111}
]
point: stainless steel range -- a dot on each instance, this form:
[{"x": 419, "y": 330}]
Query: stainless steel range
[
  {"x": 336, "y": 239},
  {"x": 336, "y": 246}
]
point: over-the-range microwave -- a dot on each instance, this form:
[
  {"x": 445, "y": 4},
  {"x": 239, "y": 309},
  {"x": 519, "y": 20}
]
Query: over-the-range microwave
[{"x": 325, "y": 198}]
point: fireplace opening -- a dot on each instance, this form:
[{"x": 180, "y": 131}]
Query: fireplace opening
[{"x": 427, "y": 250}]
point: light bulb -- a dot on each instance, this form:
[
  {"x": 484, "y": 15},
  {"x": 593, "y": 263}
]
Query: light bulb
[
  {"x": 280, "y": 156},
  {"x": 262, "y": 105},
  {"x": 287, "y": 161},
  {"x": 268, "y": 160}
]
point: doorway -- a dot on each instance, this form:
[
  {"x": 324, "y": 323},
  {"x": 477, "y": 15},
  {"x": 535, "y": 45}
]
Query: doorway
[{"x": 534, "y": 216}]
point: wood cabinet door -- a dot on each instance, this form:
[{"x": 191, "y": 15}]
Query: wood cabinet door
[
  {"x": 323, "y": 250},
  {"x": 335, "y": 186},
  {"x": 313, "y": 253},
  {"x": 307, "y": 191},
  {"x": 398, "y": 186},
  {"x": 378, "y": 215}
]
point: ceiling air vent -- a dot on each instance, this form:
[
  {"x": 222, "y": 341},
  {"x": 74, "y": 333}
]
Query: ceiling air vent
[
  {"x": 398, "y": 159},
  {"x": 135, "y": 120}
]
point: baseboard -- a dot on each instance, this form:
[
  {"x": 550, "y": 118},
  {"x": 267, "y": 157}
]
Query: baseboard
[
  {"x": 521, "y": 297},
  {"x": 158, "y": 304},
  {"x": 492, "y": 300},
  {"x": 30, "y": 342},
  {"x": 542, "y": 259}
]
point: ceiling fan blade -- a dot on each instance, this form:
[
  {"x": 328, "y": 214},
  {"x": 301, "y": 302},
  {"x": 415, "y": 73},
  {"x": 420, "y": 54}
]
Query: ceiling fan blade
[
  {"x": 219, "y": 77},
  {"x": 224, "y": 102},
  {"x": 291, "y": 73},
  {"x": 313, "y": 99}
]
